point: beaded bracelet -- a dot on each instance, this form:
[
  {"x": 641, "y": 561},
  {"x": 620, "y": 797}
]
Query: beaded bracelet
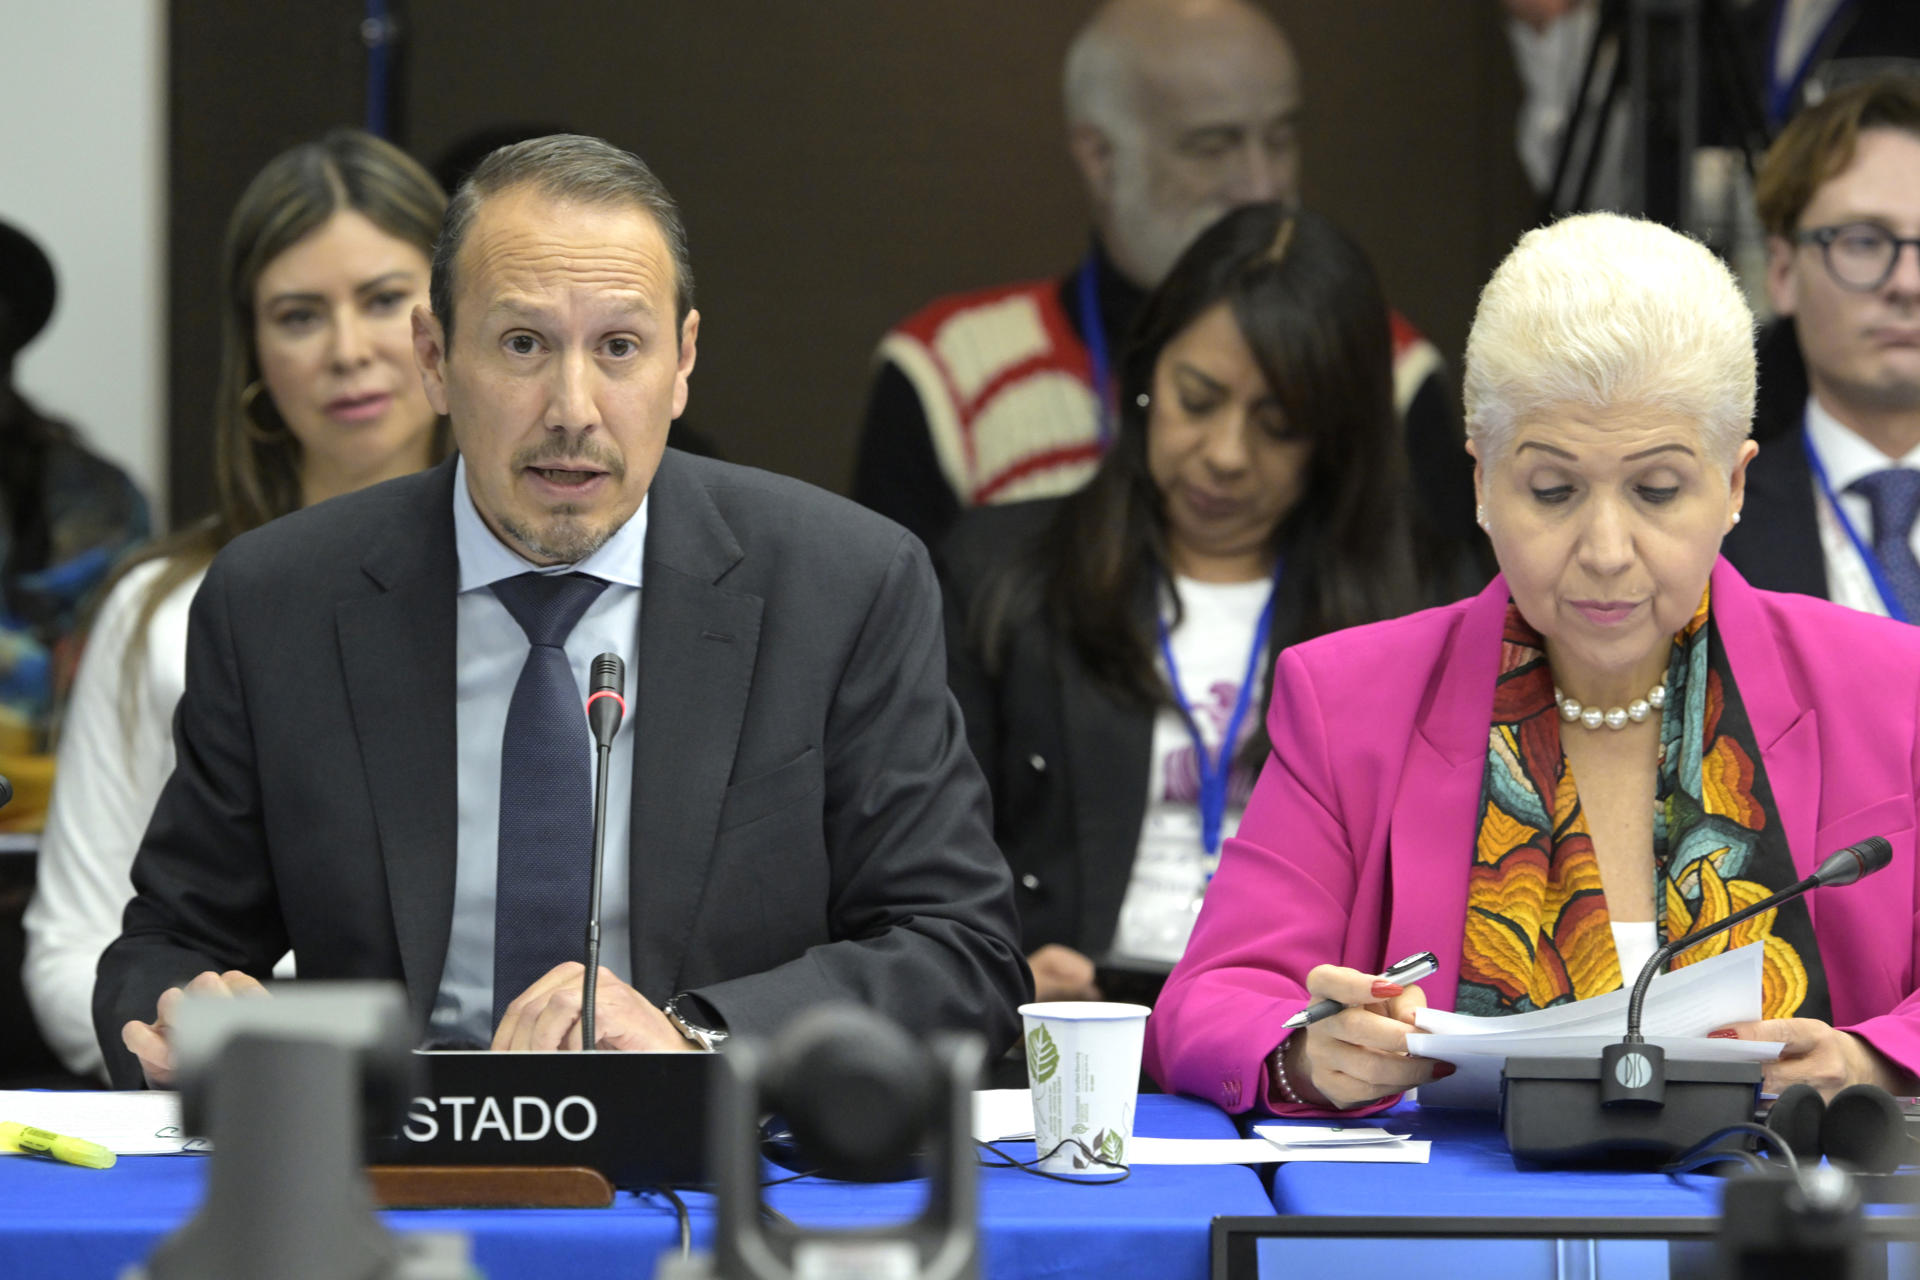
[{"x": 1277, "y": 1057}]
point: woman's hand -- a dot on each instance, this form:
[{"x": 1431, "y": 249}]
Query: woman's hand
[
  {"x": 1061, "y": 973},
  {"x": 1359, "y": 1055},
  {"x": 1816, "y": 1054}
]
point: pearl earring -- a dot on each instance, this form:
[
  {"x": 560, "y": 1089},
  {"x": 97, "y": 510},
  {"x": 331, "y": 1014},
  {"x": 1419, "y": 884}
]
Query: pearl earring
[
  {"x": 1736, "y": 517},
  {"x": 1480, "y": 515},
  {"x": 1143, "y": 399}
]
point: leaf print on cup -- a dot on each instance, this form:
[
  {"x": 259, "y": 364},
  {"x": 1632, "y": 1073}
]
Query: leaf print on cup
[{"x": 1043, "y": 1058}]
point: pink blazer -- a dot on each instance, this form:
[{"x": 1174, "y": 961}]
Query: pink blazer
[{"x": 1355, "y": 846}]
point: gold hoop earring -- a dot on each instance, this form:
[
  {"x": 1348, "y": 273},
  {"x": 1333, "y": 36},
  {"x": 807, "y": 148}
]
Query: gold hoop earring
[{"x": 249, "y": 397}]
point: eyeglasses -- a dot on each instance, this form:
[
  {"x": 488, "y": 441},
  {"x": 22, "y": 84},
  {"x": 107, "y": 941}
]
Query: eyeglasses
[{"x": 1859, "y": 255}]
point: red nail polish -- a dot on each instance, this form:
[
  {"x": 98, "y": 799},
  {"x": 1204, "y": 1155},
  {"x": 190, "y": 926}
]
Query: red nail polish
[
  {"x": 1725, "y": 1033},
  {"x": 1445, "y": 1069},
  {"x": 1384, "y": 990}
]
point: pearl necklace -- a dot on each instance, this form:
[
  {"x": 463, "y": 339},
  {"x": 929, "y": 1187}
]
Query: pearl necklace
[{"x": 1614, "y": 717}]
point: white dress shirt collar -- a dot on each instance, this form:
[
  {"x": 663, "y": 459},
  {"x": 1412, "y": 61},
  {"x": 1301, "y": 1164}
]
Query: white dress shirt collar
[
  {"x": 485, "y": 560},
  {"x": 1845, "y": 453}
]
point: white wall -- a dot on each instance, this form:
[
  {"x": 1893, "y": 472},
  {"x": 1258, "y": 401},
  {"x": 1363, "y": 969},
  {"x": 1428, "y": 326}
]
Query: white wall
[{"x": 83, "y": 171}]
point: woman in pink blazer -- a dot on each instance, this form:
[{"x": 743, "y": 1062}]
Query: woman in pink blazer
[{"x": 1617, "y": 743}]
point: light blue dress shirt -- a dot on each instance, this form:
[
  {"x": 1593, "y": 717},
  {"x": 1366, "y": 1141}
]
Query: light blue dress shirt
[
  {"x": 1846, "y": 456},
  {"x": 489, "y": 650}
]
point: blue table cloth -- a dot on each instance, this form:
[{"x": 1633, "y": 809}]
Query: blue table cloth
[
  {"x": 1471, "y": 1174},
  {"x": 58, "y": 1220}
]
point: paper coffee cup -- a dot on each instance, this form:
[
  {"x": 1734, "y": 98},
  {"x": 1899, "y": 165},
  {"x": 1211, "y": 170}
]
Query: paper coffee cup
[{"x": 1083, "y": 1066}]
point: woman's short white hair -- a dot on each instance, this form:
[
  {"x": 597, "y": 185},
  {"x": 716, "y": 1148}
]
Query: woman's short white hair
[{"x": 1609, "y": 311}]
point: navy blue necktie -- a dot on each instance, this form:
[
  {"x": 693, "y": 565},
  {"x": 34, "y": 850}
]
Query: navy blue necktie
[
  {"x": 1895, "y": 497},
  {"x": 546, "y": 791}
]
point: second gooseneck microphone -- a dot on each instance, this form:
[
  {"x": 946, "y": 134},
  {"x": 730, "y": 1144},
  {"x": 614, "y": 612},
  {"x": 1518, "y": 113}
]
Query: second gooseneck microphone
[
  {"x": 1844, "y": 867},
  {"x": 1642, "y": 1081},
  {"x": 1633, "y": 1106},
  {"x": 606, "y": 708}
]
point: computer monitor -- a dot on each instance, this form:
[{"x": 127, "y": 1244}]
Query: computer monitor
[{"x": 1678, "y": 1248}]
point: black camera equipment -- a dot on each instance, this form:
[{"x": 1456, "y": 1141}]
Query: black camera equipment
[
  {"x": 1677, "y": 64},
  {"x": 287, "y": 1088},
  {"x": 863, "y": 1101}
]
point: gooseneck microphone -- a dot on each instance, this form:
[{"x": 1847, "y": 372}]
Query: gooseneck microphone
[
  {"x": 1648, "y": 1109},
  {"x": 606, "y": 708}
]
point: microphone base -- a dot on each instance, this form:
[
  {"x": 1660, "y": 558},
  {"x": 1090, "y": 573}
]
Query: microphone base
[{"x": 1551, "y": 1111}]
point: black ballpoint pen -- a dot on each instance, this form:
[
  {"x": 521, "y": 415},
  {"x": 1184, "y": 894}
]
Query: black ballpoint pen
[{"x": 1412, "y": 969}]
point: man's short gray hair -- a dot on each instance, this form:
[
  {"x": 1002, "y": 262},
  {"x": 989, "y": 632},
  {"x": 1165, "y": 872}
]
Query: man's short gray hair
[
  {"x": 562, "y": 166},
  {"x": 1603, "y": 310}
]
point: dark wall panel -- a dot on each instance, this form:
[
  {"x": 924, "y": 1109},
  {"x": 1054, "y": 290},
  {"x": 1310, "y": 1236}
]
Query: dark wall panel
[
  {"x": 244, "y": 81},
  {"x": 839, "y": 163},
  {"x": 1409, "y": 143}
]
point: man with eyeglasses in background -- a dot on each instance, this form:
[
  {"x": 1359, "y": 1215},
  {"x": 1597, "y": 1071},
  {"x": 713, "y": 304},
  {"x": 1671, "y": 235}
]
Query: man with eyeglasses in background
[{"x": 1832, "y": 502}]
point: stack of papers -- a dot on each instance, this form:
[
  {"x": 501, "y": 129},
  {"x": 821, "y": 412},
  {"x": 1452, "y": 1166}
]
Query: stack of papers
[
  {"x": 1681, "y": 1008},
  {"x": 141, "y": 1123}
]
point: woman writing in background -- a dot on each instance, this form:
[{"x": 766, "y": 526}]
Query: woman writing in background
[
  {"x": 1109, "y": 648},
  {"x": 326, "y": 255},
  {"x": 1617, "y": 743}
]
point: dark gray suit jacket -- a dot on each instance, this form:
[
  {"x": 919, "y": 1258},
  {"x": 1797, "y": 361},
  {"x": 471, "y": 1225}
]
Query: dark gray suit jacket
[
  {"x": 807, "y": 820},
  {"x": 1066, "y": 756},
  {"x": 1776, "y": 545}
]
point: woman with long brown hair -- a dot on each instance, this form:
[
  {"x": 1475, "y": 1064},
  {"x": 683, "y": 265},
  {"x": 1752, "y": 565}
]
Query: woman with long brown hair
[
  {"x": 326, "y": 255},
  {"x": 1110, "y": 649}
]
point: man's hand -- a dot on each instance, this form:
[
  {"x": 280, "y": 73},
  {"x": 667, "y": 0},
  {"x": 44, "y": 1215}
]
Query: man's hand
[
  {"x": 1061, "y": 973},
  {"x": 547, "y": 1015},
  {"x": 152, "y": 1042},
  {"x": 1814, "y": 1053}
]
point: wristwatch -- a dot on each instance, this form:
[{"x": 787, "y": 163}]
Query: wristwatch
[{"x": 708, "y": 1038}]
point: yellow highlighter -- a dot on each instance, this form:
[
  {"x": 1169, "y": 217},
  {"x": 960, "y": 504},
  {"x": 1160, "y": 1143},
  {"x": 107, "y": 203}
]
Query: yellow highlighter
[{"x": 19, "y": 1137}]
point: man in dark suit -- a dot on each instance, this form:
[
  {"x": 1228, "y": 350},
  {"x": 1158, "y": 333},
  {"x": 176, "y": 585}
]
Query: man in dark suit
[
  {"x": 365, "y": 679},
  {"x": 1833, "y": 494}
]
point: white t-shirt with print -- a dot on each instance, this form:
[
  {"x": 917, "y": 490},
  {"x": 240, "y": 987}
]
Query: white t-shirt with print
[{"x": 1171, "y": 868}]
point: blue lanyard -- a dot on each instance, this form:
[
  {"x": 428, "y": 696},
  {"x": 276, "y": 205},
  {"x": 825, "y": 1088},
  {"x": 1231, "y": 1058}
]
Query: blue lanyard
[
  {"x": 1100, "y": 366},
  {"x": 1890, "y": 601},
  {"x": 1216, "y": 768},
  {"x": 1781, "y": 93}
]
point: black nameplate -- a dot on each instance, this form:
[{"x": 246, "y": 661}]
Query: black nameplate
[{"x": 639, "y": 1118}]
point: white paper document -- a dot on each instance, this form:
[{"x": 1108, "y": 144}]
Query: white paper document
[
  {"x": 1006, "y": 1115},
  {"x": 1201, "y": 1151},
  {"x": 1680, "y": 1009},
  {"x": 1003, "y": 1115},
  {"x": 1342, "y": 1144},
  {"x": 1265, "y": 1150},
  {"x": 141, "y": 1123}
]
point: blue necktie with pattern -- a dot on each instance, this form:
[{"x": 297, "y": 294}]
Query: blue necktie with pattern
[
  {"x": 1894, "y": 495},
  {"x": 546, "y": 791}
]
